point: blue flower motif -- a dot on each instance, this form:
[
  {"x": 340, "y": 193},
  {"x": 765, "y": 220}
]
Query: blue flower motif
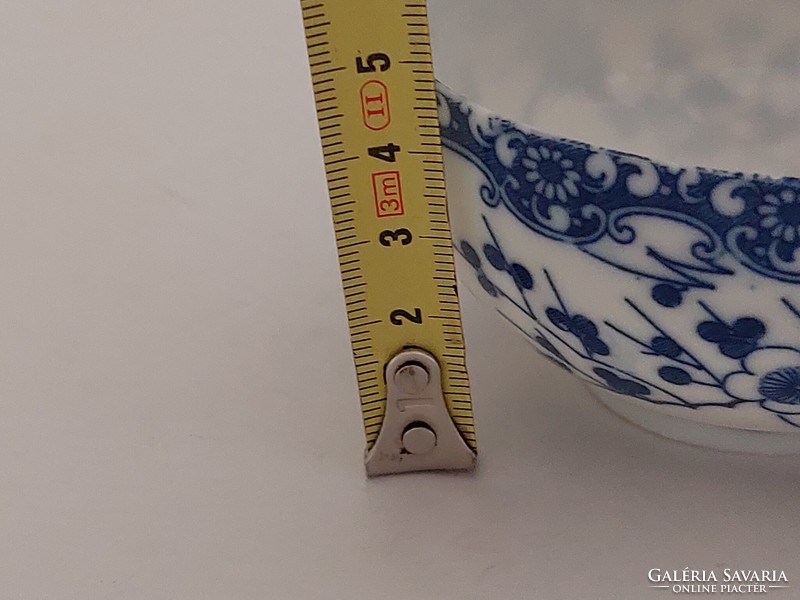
[
  {"x": 735, "y": 340},
  {"x": 668, "y": 295},
  {"x": 665, "y": 346},
  {"x": 521, "y": 276},
  {"x": 471, "y": 256},
  {"x": 552, "y": 174},
  {"x": 548, "y": 345},
  {"x": 770, "y": 376},
  {"x": 621, "y": 385},
  {"x": 675, "y": 375},
  {"x": 581, "y": 327},
  {"x": 548, "y": 350},
  {"x": 780, "y": 215},
  {"x": 781, "y": 385}
]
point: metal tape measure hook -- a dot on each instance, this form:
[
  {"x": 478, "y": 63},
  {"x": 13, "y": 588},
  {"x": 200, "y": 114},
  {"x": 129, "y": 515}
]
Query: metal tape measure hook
[{"x": 418, "y": 433}]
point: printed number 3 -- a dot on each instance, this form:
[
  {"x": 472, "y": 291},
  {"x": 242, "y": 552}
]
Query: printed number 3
[
  {"x": 389, "y": 206},
  {"x": 402, "y": 235}
]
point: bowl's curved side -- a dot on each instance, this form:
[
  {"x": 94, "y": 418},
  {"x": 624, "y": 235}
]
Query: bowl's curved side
[{"x": 674, "y": 286}]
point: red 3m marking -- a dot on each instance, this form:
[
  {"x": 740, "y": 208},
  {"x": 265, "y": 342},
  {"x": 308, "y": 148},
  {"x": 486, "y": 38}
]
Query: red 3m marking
[
  {"x": 375, "y": 105},
  {"x": 388, "y": 193}
]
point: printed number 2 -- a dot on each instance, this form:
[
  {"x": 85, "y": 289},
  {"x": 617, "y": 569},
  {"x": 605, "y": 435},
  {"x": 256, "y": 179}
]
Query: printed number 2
[
  {"x": 399, "y": 314},
  {"x": 377, "y": 61}
]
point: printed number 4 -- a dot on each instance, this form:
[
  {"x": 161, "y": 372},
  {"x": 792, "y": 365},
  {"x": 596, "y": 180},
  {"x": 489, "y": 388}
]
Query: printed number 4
[{"x": 386, "y": 153}]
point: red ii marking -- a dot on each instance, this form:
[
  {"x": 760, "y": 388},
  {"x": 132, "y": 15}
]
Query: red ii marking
[{"x": 375, "y": 105}]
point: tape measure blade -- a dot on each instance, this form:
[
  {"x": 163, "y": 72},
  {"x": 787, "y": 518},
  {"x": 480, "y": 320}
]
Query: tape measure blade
[{"x": 372, "y": 76}]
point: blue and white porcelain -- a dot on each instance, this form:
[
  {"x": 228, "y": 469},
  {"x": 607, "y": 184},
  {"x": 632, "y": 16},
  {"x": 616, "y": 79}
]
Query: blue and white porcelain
[{"x": 673, "y": 291}]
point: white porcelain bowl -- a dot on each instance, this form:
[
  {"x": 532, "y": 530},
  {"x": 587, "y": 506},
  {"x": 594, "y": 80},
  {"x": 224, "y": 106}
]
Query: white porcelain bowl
[{"x": 673, "y": 290}]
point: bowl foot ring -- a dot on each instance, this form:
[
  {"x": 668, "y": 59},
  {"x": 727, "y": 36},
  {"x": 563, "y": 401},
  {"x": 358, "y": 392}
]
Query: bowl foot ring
[{"x": 696, "y": 433}]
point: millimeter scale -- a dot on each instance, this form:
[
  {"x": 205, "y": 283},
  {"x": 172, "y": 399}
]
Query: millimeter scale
[{"x": 374, "y": 89}]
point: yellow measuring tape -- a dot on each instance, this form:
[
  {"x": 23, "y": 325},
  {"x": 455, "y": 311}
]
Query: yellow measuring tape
[{"x": 372, "y": 75}]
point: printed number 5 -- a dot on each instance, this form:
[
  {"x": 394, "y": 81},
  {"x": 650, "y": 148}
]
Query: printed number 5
[{"x": 376, "y": 61}]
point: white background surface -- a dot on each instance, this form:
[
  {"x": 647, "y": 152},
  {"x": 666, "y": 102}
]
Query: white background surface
[{"x": 178, "y": 414}]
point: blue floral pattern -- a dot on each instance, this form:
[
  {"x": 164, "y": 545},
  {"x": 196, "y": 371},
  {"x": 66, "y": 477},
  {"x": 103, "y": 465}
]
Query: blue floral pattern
[
  {"x": 579, "y": 194},
  {"x": 578, "y": 325},
  {"x": 781, "y": 216},
  {"x": 618, "y": 384},
  {"x": 552, "y": 174},
  {"x": 735, "y": 340},
  {"x": 781, "y": 386},
  {"x": 768, "y": 375},
  {"x": 593, "y": 200}
]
